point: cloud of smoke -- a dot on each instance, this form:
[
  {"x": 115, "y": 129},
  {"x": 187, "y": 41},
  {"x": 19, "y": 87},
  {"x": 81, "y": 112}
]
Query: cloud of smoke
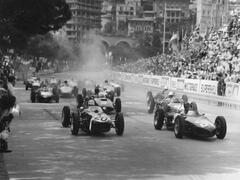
[{"x": 89, "y": 57}]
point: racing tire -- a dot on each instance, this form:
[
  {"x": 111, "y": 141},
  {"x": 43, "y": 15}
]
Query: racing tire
[
  {"x": 150, "y": 102},
  {"x": 33, "y": 99},
  {"x": 65, "y": 116},
  {"x": 79, "y": 100},
  {"x": 75, "y": 91},
  {"x": 221, "y": 127},
  {"x": 3, "y": 145},
  {"x": 119, "y": 124},
  {"x": 111, "y": 96},
  {"x": 75, "y": 124},
  {"x": 158, "y": 119},
  {"x": 26, "y": 87},
  {"x": 179, "y": 127},
  {"x": 118, "y": 91},
  {"x": 185, "y": 98},
  {"x": 118, "y": 105},
  {"x": 84, "y": 93},
  {"x": 57, "y": 98}
]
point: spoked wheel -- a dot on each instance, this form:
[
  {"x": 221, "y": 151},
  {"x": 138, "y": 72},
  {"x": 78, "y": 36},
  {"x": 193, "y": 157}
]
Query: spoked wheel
[
  {"x": 65, "y": 118},
  {"x": 221, "y": 127},
  {"x": 179, "y": 127},
  {"x": 75, "y": 124},
  {"x": 158, "y": 119}
]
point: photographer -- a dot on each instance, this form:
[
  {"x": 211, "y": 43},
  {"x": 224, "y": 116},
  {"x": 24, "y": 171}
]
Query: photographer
[{"x": 7, "y": 102}]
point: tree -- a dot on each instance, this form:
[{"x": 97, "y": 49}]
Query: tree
[{"x": 22, "y": 19}]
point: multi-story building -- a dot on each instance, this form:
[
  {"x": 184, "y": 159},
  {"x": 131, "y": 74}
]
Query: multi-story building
[
  {"x": 176, "y": 10},
  {"x": 145, "y": 25},
  {"x": 86, "y": 15},
  {"x": 234, "y": 7},
  {"x": 126, "y": 11},
  {"x": 211, "y": 14}
]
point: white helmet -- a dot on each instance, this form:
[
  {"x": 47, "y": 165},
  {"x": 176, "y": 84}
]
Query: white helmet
[
  {"x": 91, "y": 102},
  {"x": 171, "y": 93}
]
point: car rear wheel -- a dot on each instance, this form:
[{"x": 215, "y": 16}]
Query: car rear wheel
[
  {"x": 111, "y": 96},
  {"x": 119, "y": 124},
  {"x": 75, "y": 124},
  {"x": 150, "y": 102},
  {"x": 26, "y": 87},
  {"x": 33, "y": 97},
  {"x": 221, "y": 127},
  {"x": 179, "y": 127},
  {"x": 79, "y": 100},
  {"x": 84, "y": 92},
  {"x": 118, "y": 105},
  {"x": 3, "y": 145},
  {"x": 158, "y": 119},
  {"x": 118, "y": 91},
  {"x": 65, "y": 118},
  {"x": 75, "y": 91}
]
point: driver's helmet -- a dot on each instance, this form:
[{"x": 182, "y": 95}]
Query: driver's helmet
[
  {"x": 106, "y": 81},
  {"x": 171, "y": 94},
  {"x": 91, "y": 102}
]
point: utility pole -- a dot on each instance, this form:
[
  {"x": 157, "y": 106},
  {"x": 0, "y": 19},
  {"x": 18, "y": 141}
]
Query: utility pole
[{"x": 164, "y": 27}]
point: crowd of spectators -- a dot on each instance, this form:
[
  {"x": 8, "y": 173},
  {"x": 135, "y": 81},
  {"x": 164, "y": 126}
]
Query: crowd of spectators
[{"x": 214, "y": 56}]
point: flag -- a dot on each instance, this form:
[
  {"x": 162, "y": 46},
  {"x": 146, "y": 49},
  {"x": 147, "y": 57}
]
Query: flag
[{"x": 173, "y": 42}]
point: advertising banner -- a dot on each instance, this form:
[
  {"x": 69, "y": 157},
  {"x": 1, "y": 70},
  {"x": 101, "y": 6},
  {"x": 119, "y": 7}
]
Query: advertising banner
[
  {"x": 232, "y": 90},
  {"x": 177, "y": 84},
  {"x": 147, "y": 80},
  {"x": 164, "y": 82},
  {"x": 208, "y": 87},
  {"x": 155, "y": 81},
  {"x": 191, "y": 85}
]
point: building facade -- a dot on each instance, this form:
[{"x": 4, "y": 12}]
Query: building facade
[
  {"x": 86, "y": 15},
  {"x": 176, "y": 10},
  {"x": 145, "y": 25},
  {"x": 211, "y": 14},
  {"x": 234, "y": 7}
]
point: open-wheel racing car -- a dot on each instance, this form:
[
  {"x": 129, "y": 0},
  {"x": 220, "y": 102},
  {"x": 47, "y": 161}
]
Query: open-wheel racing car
[
  {"x": 29, "y": 82},
  {"x": 153, "y": 100},
  {"x": 45, "y": 94},
  {"x": 91, "y": 118},
  {"x": 111, "y": 87},
  {"x": 68, "y": 88},
  {"x": 185, "y": 119}
]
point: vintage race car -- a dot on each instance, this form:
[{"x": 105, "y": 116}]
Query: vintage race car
[
  {"x": 45, "y": 95},
  {"x": 28, "y": 83},
  {"x": 153, "y": 100},
  {"x": 166, "y": 110},
  {"x": 190, "y": 122},
  {"x": 68, "y": 88},
  {"x": 35, "y": 87},
  {"x": 92, "y": 119},
  {"x": 111, "y": 86},
  {"x": 105, "y": 103}
]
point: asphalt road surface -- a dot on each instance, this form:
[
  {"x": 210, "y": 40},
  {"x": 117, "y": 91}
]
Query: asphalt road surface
[{"x": 42, "y": 149}]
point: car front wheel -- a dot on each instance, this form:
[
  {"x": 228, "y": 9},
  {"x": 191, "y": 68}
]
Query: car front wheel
[
  {"x": 158, "y": 119},
  {"x": 119, "y": 124},
  {"x": 221, "y": 127},
  {"x": 65, "y": 118}
]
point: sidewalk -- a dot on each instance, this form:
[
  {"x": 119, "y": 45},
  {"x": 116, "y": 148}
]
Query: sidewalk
[{"x": 3, "y": 171}]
